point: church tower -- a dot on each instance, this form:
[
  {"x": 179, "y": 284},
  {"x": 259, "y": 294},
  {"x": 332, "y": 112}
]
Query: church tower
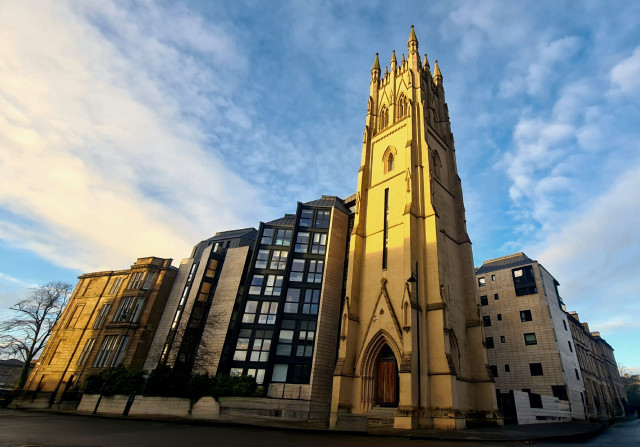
[{"x": 411, "y": 336}]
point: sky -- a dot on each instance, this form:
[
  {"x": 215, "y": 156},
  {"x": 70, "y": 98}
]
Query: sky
[{"x": 138, "y": 128}]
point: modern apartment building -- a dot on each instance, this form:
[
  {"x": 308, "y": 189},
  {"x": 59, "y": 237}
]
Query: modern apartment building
[
  {"x": 110, "y": 320},
  {"x": 192, "y": 330},
  {"x": 531, "y": 352},
  {"x": 604, "y": 391}
]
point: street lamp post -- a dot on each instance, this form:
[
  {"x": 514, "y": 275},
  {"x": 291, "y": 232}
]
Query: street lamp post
[{"x": 411, "y": 280}]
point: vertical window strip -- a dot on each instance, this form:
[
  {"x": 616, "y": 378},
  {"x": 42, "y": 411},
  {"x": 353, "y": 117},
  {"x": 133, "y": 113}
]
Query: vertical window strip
[
  {"x": 106, "y": 349},
  {"x": 116, "y": 285},
  {"x": 102, "y": 316},
  {"x": 120, "y": 350},
  {"x": 84, "y": 355},
  {"x": 149, "y": 280},
  {"x": 386, "y": 229}
]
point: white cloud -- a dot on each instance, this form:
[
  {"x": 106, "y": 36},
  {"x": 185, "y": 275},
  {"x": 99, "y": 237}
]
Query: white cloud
[
  {"x": 536, "y": 68},
  {"x": 623, "y": 323},
  {"x": 625, "y": 76},
  {"x": 11, "y": 279},
  {"x": 534, "y": 141},
  {"x": 488, "y": 23},
  {"x": 541, "y": 73},
  {"x": 594, "y": 256},
  {"x": 97, "y": 151}
]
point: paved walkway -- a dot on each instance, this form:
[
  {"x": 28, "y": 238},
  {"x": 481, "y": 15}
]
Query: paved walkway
[{"x": 531, "y": 432}]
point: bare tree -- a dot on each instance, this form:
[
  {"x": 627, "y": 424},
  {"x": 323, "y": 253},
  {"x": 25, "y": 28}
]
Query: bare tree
[{"x": 27, "y": 329}]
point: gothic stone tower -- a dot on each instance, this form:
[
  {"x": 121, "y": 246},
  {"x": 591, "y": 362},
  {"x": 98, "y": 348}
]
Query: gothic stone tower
[{"x": 411, "y": 337}]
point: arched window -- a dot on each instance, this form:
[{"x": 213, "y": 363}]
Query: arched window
[
  {"x": 437, "y": 164},
  {"x": 384, "y": 118},
  {"x": 389, "y": 159},
  {"x": 402, "y": 106}
]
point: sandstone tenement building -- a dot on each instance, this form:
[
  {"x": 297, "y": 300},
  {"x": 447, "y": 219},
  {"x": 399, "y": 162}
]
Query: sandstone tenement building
[{"x": 111, "y": 319}]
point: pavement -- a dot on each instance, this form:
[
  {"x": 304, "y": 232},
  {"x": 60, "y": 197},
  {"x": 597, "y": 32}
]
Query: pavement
[
  {"x": 560, "y": 431},
  {"x": 531, "y": 432}
]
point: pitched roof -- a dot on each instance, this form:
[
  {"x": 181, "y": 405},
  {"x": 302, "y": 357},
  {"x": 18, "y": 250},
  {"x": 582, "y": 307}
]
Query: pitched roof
[
  {"x": 504, "y": 262},
  {"x": 287, "y": 219},
  {"x": 232, "y": 233},
  {"x": 333, "y": 201}
]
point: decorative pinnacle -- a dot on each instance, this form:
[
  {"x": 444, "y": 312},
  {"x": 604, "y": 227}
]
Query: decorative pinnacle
[
  {"x": 425, "y": 64},
  {"x": 376, "y": 64},
  {"x": 437, "y": 76},
  {"x": 393, "y": 57},
  {"x": 412, "y": 36}
]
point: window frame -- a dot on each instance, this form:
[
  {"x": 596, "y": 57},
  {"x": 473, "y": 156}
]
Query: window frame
[
  {"x": 531, "y": 340},
  {"x": 526, "y": 316},
  {"x": 536, "y": 369}
]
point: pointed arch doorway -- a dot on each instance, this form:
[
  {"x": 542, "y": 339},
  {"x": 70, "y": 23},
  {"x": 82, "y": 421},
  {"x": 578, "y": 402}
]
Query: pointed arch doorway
[{"x": 386, "y": 379}]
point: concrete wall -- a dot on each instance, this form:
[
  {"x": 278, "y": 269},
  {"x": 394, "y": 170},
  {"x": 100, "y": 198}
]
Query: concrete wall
[
  {"x": 155, "y": 351},
  {"x": 108, "y": 404},
  {"x": 292, "y": 409},
  {"x": 565, "y": 347},
  {"x": 328, "y": 327},
  {"x": 219, "y": 315},
  {"x": 553, "y": 410},
  {"x": 160, "y": 406}
]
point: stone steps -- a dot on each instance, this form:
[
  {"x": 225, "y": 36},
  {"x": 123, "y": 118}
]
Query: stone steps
[{"x": 380, "y": 417}]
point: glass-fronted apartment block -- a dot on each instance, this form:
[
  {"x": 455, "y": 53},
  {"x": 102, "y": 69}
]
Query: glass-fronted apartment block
[
  {"x": 284, "y": 327},
  {"x": 264, "y": 303}
]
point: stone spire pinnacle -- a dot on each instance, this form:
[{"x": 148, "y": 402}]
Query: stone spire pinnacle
[
  {"x": 437, "y": 76},
  {"x": 413, "y": 49},
  {"x": 375, "y": 70},
  {"x": 425, "y": 64},
  {"x": 412, "y": 36},
  {"x": 394, "y": 61},
  {"x": 376, "y": 64}
]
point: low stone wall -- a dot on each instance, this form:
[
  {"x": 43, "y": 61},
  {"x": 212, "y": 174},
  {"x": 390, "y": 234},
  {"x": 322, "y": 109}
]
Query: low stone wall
[
  {"x": 160, "y": 406},
  {"x": 290, "y": 409},
  {"x": 553, "y": 410},
  {"x": 206, "y": 408},
  {"x": 289, "y": 391},
  {"x": 108, "y": 404},
  {"x": 32, "y": 400}
]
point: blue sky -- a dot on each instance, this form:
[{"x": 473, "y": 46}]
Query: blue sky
[{"x": 130, "y": 129}]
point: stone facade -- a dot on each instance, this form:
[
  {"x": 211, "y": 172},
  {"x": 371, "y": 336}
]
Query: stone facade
[
  {"x": 604, "y": 391},
  {"x": 410, "y": 331},
  {"x": 110, "y": 319},
  {"x": 529, "y": 344}
]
